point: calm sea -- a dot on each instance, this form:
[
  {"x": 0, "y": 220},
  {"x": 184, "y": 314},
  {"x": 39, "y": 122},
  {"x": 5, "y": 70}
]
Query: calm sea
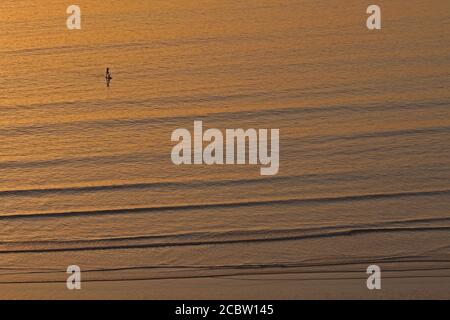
[{"x": 86, "y": 176}]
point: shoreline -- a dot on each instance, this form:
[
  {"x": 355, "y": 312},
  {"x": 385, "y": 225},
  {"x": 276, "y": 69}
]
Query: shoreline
[{"x": 268, "y": 287}]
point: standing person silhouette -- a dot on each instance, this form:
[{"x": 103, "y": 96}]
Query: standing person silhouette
[{"x": 108, "y": 77}]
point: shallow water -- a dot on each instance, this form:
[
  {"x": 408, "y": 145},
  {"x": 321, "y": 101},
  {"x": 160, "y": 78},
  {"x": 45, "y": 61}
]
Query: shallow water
[{"x": 85, "y": 171}]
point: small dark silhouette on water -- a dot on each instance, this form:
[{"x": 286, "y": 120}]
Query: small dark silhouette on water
[{"x": 108, "y": 77}]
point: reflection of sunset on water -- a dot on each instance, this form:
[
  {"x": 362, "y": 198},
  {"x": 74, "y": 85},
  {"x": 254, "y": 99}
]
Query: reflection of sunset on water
[{"x": 86, "y": 176}]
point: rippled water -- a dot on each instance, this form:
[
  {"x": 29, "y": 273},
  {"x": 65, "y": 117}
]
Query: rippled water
[{"x": 85, "y": 171}]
